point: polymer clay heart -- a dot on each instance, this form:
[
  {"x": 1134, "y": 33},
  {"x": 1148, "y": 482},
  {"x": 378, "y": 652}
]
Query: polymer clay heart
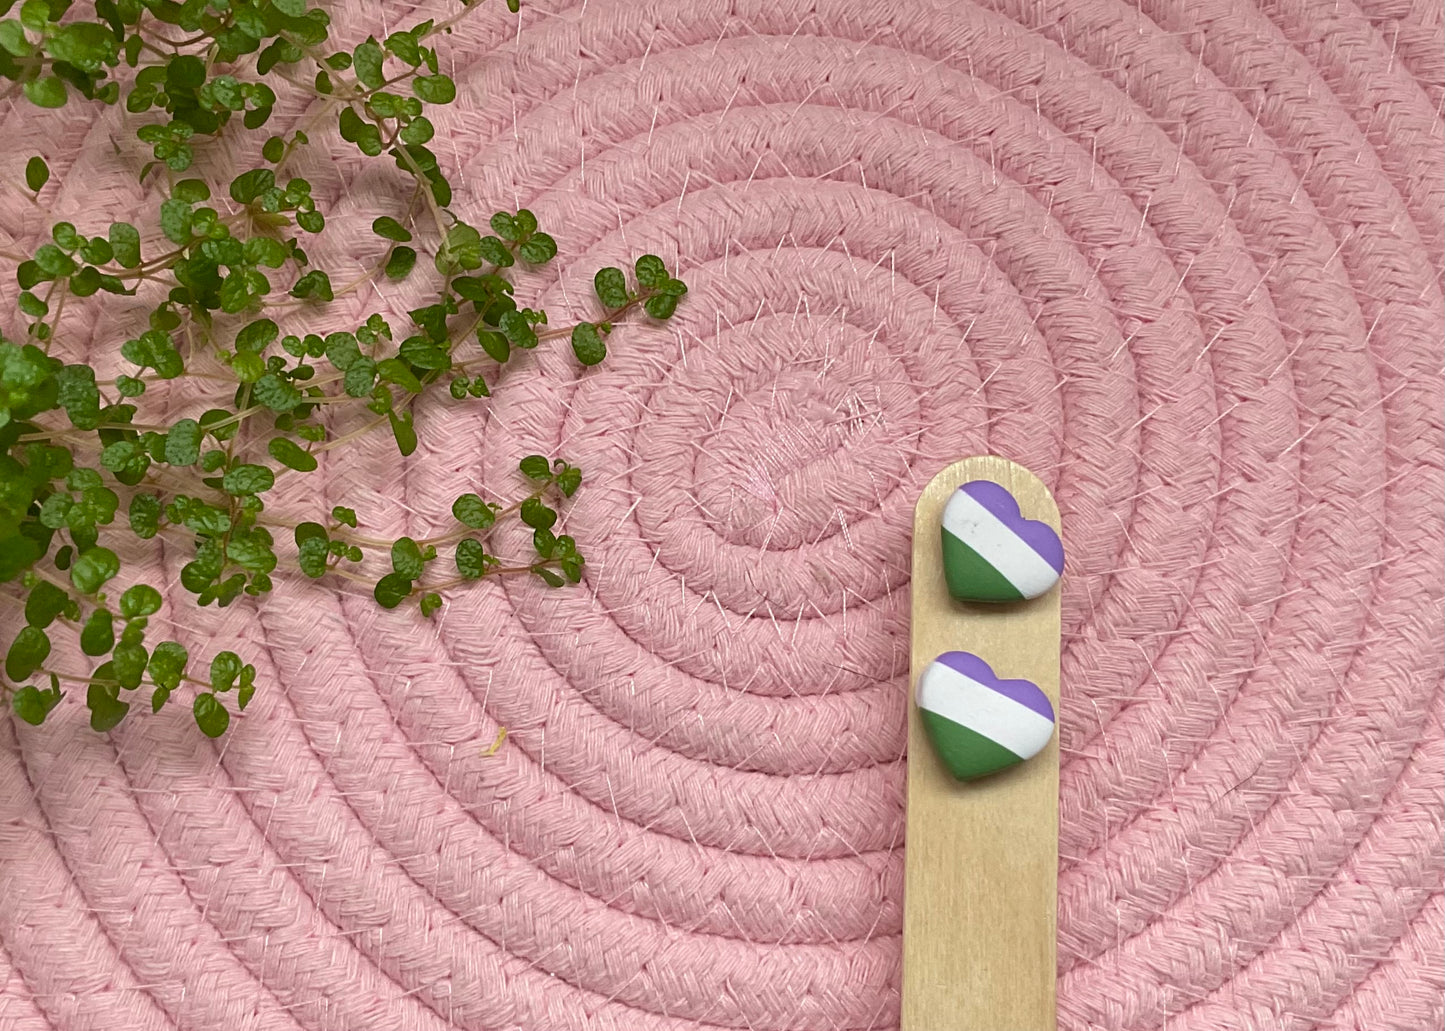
[
  {"x": 991, "y": 552},
  {"x": 978, "y": 723}
]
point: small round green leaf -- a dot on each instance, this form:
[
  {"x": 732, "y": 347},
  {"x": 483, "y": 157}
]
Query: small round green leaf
[
  {"x": 176, "y": 220},
  {"x": 248, "y": 479},
  {"x": 128, "y": 662},
  {"x": 247, "y": 186},
  {"x": 472, "y": 511},
  {"x": 97, "y": 250},
  {"x": 391, "y": 229},
  {"x": 290, "y": 455},
  {"x": 247, "y": 688},
  {"x": 65, "y": 237},
  {"x": 32, "y": 704},
  {"x": 98, "y": 635},
  {"x": 185, "y": 72},
  {"x": 140, "y": 600},
  {"x": 569, "y": 480},
  {"x": 495, "y": 344},
  {"x": 342, "y": 351},
  {"x": 406, "y": 558},
  {"x": 539, "y": 249},
  {"x": 434, "y": 89},
  {"x": 129, "y": 386},
  {"x": 225, "y": 668},
  {"x": 587, "y": 344},
  {"x": 536, "y": 514},
  {"x": 37, "y": 173},
  {"x": 126, "y": 459},
  {"x": 311, "y": 556},
  {"x": 106, "y": 710},
  {"x": 256, "y": 335},
  {"x": 44, "y": 603},
  {"x": 611, "y": 287},
  {"x": 220, "y": 423},
  {"x": 183, "y": 443},
  {"x": 47, "y": 91},
  {"x": 86, "y": 46},
  {"x": 145, "y": 515},
  {"x": 93, "y": 568},
  {"x": 526, "y": 223},
  {"x": 276, "y": 393},
  {"x": 495, "y": 251},
  {"x": 392, "y": 589},
  {"x": 33, "y": 306},
  {"x": 400, "y": 262},
  {"x": 27, "y": 652},
  {"x": 472, "y": 559},
  {"x": 505, "y": 226},
  {"x": 55, "y": 511},
  {"x": 13, "y": 40},
  {"x": 211, "y": 715},
  {"x": 367, "y": 61},
  {"x": 168, "y": 665},
  {"x": 192, "y": 191},
  {"x": 536, "y": 467},
  {"x": 305, "y": 531},
  {"x": 53, "y": 261},
  {"x": 125, "y": 242},
  {"x": 315, "y": 283},
  {"x": 651, "y": 272},
  {"x": 421, "y": 353},
  {"x": 419, "y": 130},
  {"x": 660, "y": 306},
  {"x": 262, "y": 250}
]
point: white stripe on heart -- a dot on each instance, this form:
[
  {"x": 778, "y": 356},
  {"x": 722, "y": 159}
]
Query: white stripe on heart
[
  {"x": 997, "y": 545},
  {"x": 948, "y": 693}
]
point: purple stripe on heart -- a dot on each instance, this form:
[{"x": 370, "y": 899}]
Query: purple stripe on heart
[
  {"x": 1025, "y": 692},
  {"x": 1005, "y": 508}
]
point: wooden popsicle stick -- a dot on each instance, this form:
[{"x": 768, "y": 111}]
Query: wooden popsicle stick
[{"x": 981, "y": 866}]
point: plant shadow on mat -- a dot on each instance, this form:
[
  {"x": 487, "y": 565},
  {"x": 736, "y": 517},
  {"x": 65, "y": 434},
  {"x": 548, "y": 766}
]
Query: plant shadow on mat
[{"x": 80, "y": 463}]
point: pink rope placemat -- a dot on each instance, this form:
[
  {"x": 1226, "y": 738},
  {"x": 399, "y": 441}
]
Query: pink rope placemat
[{"x": 1183, "y": 260}]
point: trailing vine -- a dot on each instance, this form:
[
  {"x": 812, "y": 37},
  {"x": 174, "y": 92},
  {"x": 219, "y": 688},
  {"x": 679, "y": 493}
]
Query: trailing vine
[{"x": 79, "y": 462}]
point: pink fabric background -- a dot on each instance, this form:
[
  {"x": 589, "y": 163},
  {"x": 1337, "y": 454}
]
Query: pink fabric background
[{"x": 1182, "y": 259}]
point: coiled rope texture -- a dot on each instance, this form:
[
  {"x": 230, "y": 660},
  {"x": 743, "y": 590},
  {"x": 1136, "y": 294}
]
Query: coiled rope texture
[{"x": 1183, "y": 259}]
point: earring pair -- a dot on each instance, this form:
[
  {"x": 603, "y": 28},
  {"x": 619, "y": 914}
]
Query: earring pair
[{"x": 978, "y": 722}]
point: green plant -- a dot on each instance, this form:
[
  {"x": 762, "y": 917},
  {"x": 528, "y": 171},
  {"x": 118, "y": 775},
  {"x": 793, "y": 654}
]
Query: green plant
[{"x": 78, "y": 465}]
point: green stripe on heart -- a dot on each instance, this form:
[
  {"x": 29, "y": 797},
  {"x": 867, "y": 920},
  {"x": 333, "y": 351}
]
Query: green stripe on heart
[
  {"x": 967, "y": 753},
  {"x": 977, "y": 722},
  {"x": 971, "y": 576}
]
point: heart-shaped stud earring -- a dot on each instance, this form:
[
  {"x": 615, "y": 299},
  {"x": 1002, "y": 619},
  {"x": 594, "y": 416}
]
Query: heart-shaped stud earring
[
  {"x": 991, "y": 552},
  {"x": 978, "y": 723}
]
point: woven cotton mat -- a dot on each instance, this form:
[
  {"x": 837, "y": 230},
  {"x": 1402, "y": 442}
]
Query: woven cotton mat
[{"x": 1182, "y": 259}]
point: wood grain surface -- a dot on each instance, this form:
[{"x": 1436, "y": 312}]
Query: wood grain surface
[{"x": 981, "y": 857}]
